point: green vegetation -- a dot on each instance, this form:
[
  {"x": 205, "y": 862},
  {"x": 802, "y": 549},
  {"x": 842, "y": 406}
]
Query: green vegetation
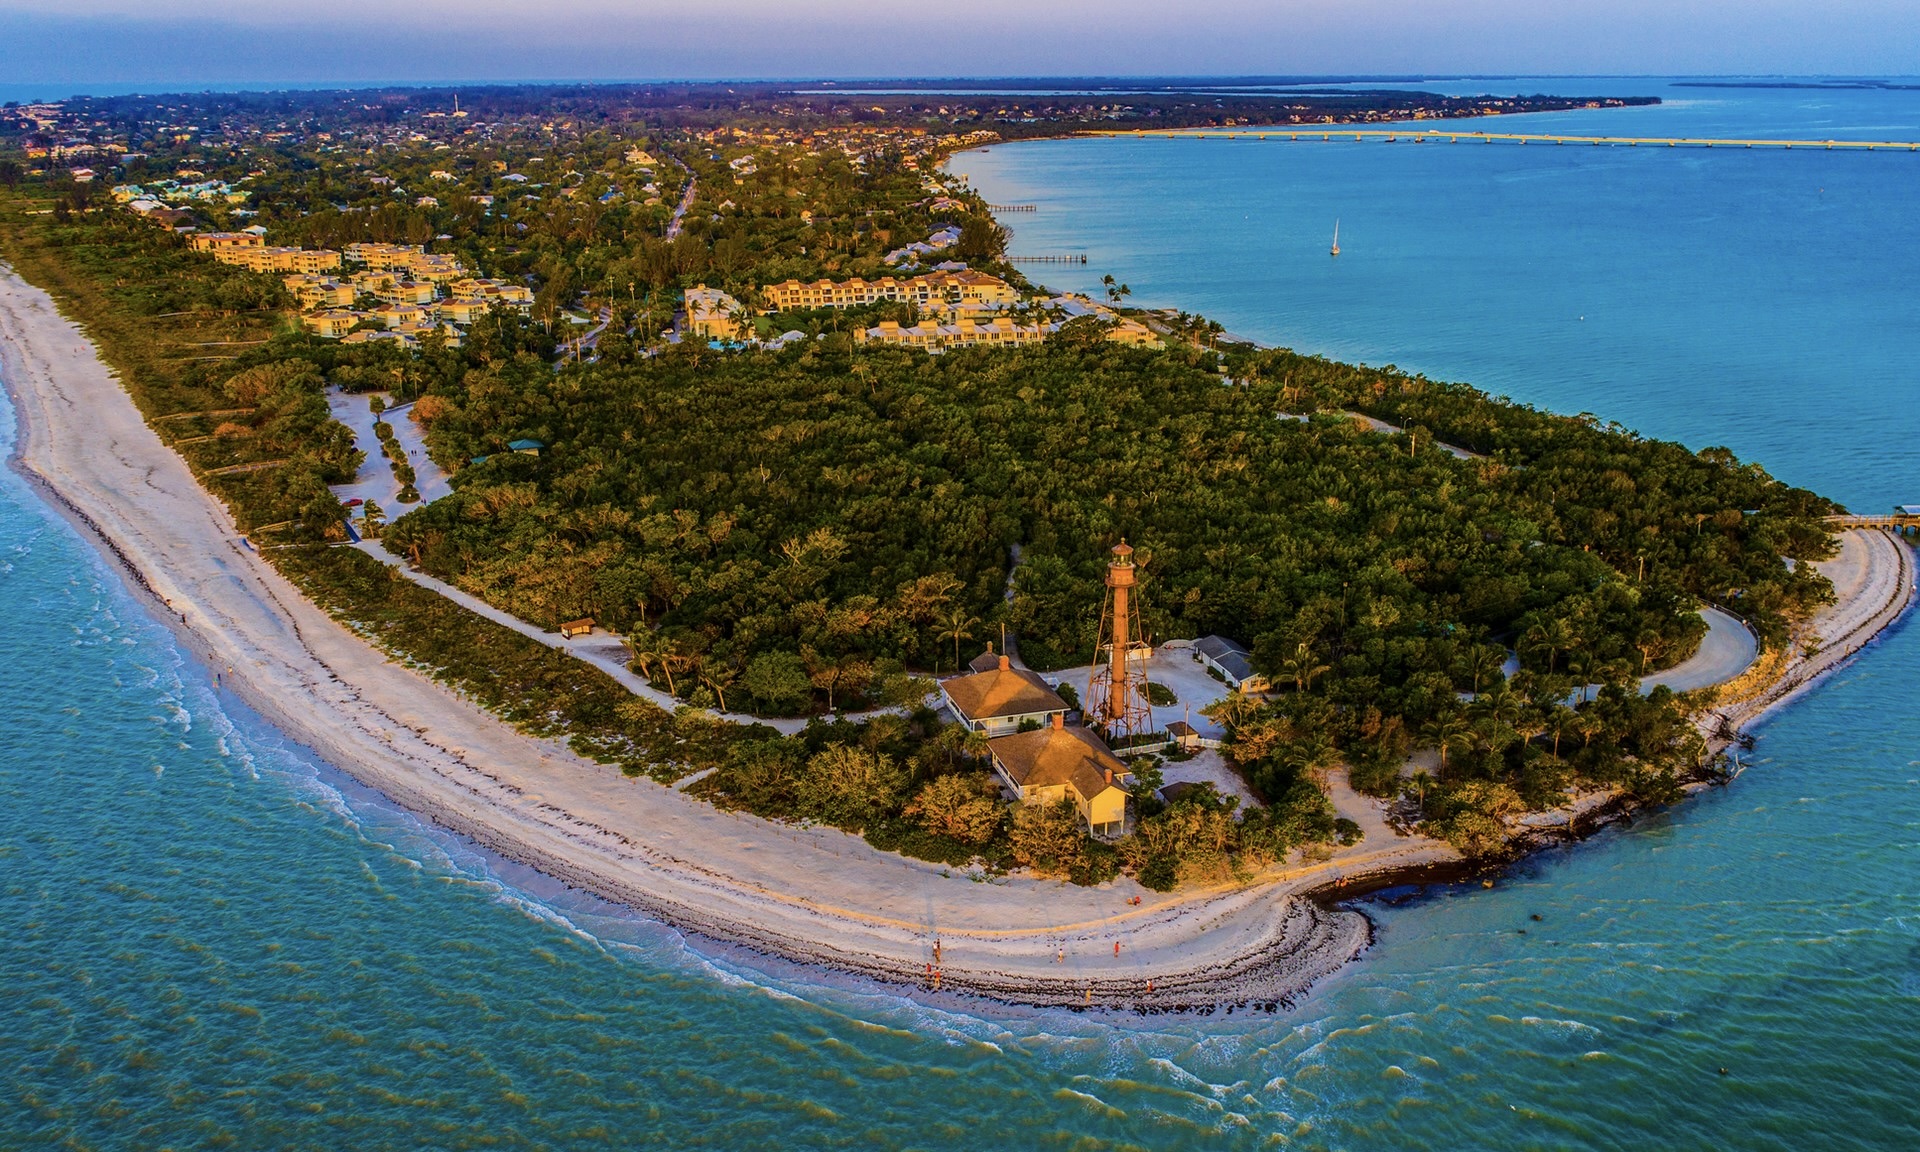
[
  {"x": 854, "y": 509},
  {"x": 809, "y": 532}
]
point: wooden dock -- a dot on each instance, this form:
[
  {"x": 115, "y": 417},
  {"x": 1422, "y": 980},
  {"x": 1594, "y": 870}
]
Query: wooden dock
[{"x": 1454, "y": 136}]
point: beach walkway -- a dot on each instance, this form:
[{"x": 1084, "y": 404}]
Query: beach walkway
[{"x": 600, "y": 648}]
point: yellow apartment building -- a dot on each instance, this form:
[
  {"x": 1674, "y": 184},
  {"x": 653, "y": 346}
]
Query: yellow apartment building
[
  {"x": 930, "y": 336},
  {"x": 934, "y": 291},
  {"x": 331, "y": 325},
  {"x": 219, "y": 241}
]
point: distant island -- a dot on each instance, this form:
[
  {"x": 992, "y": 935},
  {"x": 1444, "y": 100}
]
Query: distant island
[{"x": 709, "y": 438}]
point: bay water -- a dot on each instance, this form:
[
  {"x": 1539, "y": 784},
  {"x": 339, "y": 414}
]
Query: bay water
[{"x": 209, "y": 939}]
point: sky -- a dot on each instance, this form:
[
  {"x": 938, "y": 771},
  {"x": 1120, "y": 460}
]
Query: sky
[{"x": 179, "y": 43}]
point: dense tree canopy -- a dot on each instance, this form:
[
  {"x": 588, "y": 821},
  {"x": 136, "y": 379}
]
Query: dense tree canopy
[{"x": 853, "y": 509}]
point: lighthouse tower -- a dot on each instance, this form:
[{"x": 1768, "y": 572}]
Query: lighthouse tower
[{"x": 1116, "y": 700}]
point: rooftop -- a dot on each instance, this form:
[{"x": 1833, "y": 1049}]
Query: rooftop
[
  {"x": 1002, "y": 691},
  {"x": 1056, "y": 755}
]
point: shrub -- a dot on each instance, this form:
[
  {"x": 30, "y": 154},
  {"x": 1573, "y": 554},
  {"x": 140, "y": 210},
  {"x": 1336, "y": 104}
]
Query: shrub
[
  {"x": 961, "y": 806},
  {"x": 1047, "y": 837}
]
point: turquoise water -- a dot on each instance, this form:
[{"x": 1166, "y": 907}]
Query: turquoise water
[{"x": 208, "y": 940}]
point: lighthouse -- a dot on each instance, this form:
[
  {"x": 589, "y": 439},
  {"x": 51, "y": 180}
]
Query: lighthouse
[{"x": 1116, "y": 698}]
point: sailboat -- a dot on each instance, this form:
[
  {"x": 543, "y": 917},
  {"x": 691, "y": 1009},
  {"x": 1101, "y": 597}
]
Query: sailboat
[{"x": 1336, "y": 238}]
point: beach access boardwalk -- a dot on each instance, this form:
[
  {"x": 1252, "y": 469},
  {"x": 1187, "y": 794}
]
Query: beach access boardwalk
[{"x": 1330, "y": 134}]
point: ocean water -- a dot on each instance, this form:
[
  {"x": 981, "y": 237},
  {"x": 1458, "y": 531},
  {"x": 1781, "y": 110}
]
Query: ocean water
[{"x": 209, "y": 940}]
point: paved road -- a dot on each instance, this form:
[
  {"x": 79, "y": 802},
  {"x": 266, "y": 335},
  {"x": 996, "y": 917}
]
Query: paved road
[
  {"x": 1395, "y": 430},
  {"x": 686, "y": 202},
  {"x": 1726, "y": 651}
]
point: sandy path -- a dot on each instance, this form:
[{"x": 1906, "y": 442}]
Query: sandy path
[
  {"x": 602, "y": 649},
  {"x": 806, "y": 893}
]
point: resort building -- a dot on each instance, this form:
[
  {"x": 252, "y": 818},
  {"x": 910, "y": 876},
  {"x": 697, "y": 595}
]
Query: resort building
[
  {"x": 1231, "y": 662},
  {"x": 316, "y": 291},
  {"x": 220, "y": 241},
  {"x": 712, "y": 314},
  {"x": 463, "y": 311},
  {"x": 406, "y": 292},
  {"x": 929, "y": 336},
  {"x": 380, "y": 257},
  {"x": 936, "y": 291},
  {"x": 496, "y": 293},
  {"x": 393, "y": 316},
  {"x": 331, "y": 325},
  {"x": 1055, "y": 762},
  {"x": 1000, "y": 700},
  {"x": 421, "y": 329},
  {"x": 369, "y": 337},
  {"x": 257, "y": 257},
  {"x": 1133, "y": 334}
]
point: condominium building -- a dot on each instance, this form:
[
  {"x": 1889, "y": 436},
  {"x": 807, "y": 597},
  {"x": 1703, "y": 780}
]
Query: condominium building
[
  {"x": 930, "y": 336},
  {"x": 331, "y": 325},
  {"x": 316, "y": 291},
  {"x": 935, "y": 291},
  {"x": 259, "y": 258},
  {"x": 219, "y": 241}
]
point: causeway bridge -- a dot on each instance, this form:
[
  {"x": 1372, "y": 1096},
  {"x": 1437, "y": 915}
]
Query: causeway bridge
[{"x": 1330, "y": 133}]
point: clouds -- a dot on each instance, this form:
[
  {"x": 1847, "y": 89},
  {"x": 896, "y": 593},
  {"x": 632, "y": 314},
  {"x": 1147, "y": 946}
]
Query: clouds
[{"x": 182, "y": 41}]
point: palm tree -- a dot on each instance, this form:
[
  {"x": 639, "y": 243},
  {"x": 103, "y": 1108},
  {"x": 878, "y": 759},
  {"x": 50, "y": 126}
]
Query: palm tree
[
  {"x": 373, "y": 518},
  {"x": 956, "y": 624},
  {"x": 1503, "y": 706},
  {"x": 1530, "y": 725},
  {"x": 1420, "y": 782},
  {"x": 1555, "y": 636},
  {"x": 1300, "y": 667},
  {"x": 652, "y": 650},
  {"x": 1589, "y": 725},
  {"x": 1446, "y": 730},
  {"x": 1232, "y": 711},
  {"x": 718, "y": 675},
  {"x": 1482, "y": 659},
  {"x": 1561, "y": 721},
  {"x": 1580, "y": 666}
]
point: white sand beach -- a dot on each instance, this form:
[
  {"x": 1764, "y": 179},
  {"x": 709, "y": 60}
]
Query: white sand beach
[{"x": 809, "y": 894}]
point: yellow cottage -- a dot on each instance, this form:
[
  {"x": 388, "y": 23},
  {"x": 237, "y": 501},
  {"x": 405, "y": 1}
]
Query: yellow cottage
[{"x": 1046, "y": 765}]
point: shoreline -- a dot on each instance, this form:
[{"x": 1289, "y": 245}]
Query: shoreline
[
  {"x": 805, "y": 894},
  {"x": 801, "y": 894}
]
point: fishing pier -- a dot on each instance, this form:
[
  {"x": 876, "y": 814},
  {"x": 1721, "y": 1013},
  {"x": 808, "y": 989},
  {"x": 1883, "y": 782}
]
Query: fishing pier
[{"x": 1902, "y": 520}]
